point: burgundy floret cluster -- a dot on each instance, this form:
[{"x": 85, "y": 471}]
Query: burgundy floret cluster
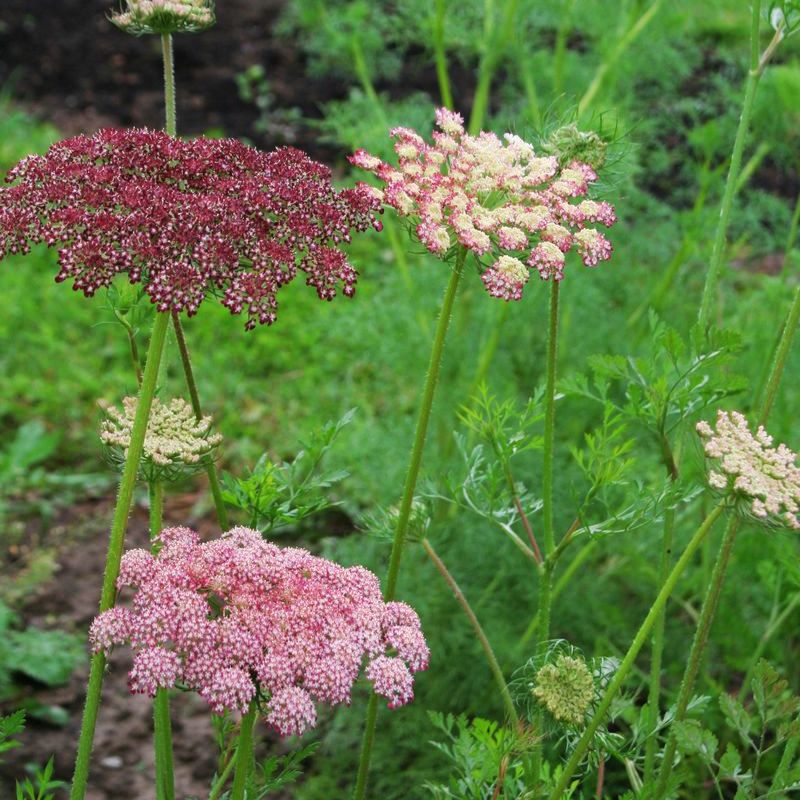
[
  {"x": 238, "y": 618},
  {"x": 185, "y": 218}
]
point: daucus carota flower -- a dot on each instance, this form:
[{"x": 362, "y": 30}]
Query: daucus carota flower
[
  {"x": 565, "y": 687},
  {"x": 496, "y": 198},
  {"x": 185, "y": 218},
  {"x": 174, "y": 442},
  {"x": 164, "y": 16},
  {"x": 767, "y": 477},
  {"x": 239, "y": 618}
]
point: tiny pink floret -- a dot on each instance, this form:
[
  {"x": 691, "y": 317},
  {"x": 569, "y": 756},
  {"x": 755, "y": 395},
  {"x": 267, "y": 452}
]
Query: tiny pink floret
[{"x": 239, "y": 618}]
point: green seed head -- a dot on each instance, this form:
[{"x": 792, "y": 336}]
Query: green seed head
[{"x": 565, "y": 687}]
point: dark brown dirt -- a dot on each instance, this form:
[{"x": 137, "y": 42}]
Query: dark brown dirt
[
  {"x": 123, "y": 759},
  {"x": 69, "y": 65}
]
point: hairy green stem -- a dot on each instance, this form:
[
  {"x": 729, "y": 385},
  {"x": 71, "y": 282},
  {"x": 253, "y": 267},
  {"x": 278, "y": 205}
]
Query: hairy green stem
[
  {"x": 115, "y": 546},
  {"x": 404, "y": 512},
  {"x": 244, "y": 753},
  {"x": 636, "y": 645},
  {"x": 171, "y": 126},
  {"x": 494, "y": 666},
  {"x": 211, "y": 468},
  {"x": 548, "y": 536}
]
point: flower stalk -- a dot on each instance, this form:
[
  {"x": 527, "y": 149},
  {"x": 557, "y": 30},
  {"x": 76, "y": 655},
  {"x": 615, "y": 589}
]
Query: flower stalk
[
  {"x": 636, "y": 645},
  {"x": 494, "y": 666},
  {"x": 244, "y": 753},
  {"x": 404, "y": 513},
  {"x": 116, "y": 543}
]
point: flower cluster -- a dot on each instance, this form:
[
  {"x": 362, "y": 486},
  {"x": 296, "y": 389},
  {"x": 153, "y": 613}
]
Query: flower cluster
[
  {"x": 492, "y": 197},
  {"x": 165, "y": 16},
  {"x": 239, "y": 618},
  {"x": 185, "y": 218},
  {"x": 767, "y": 476},
  {"x": 175, "y": 438},
  {"x": 565, "y": 687}
]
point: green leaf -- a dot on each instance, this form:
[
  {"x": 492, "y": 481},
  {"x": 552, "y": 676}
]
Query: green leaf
[
  {"x": 693, "y": 739},
  {"x": 49, "y": 657},
  {"x": 735, "y": 715},
  {"x": 731, "y": 762}
]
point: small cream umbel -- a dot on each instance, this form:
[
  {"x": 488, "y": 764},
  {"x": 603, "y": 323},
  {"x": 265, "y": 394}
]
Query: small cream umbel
[
  {"x": 753, "y": 469},
  {"x": 164, "y": 16},
  {"x": 175, "y": 442}
]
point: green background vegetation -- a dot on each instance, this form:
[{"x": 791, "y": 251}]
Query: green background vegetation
[{"x": 668, "y": 98}]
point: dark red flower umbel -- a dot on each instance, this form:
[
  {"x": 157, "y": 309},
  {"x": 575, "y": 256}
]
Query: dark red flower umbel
[{"x": 185, "y": 218}]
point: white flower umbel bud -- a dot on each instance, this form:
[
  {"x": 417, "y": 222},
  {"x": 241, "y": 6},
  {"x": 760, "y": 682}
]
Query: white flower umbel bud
[
  {"x": 176, "y": 442},
  {"x": 164, "y": 16}
]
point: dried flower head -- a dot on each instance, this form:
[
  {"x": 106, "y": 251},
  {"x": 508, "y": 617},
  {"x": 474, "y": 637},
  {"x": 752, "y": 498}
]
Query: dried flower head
[
  {"x": 176, "y": 441},
  {"x": 164, "y": 16},
  {"x": 185, "y": 218},
  {"x": 565, "y": 687},
  {"x": 239, "y": 618},
  {"x": 492, "y": 197},
  {"x": 767, "y": 477}
]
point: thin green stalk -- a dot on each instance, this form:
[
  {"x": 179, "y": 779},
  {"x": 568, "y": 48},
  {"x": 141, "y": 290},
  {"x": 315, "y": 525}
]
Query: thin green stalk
[
  {"x": 584, "y": 743},
  {"x": 654, "y": 693},
  {"x": 404, "y": 513},
  {"x": 211, "y": 468},
  {"x": 717, "y": 253},
  {"x": 697, "y": 651},
  {"x": 494, "y": 666},
  {"x": 115, "y": 546},
  {"x": 244, "y": 753},
  {"x": 560, "y": 585},
  {"x": 548, "y": 536},
  {"x": 134, "y": 348},
  {"x": 169, "y": 84},
  {"x": 156, "y": 493},
  {"x": 217, "y": 788},
  {"x": 165, "y": 779},
  {"x": 440, "y": 56},
  {"x": 171, "y": 129}
]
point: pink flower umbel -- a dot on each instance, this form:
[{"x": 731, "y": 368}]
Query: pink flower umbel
[
  {"x": 750, "y": 466},
  {"x": 494, "y": 198},
  {"x": 185, "y": 219},
  {"x": 238, "y": 618}
]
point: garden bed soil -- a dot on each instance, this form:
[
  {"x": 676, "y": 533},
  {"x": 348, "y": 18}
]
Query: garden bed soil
[{"x": 123, "y": 758}]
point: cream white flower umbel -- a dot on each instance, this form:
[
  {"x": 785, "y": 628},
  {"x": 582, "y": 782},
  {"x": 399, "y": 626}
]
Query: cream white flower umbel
[
  {"x": 175, "y": 440},
  {"x": 768, "y": 477}
]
